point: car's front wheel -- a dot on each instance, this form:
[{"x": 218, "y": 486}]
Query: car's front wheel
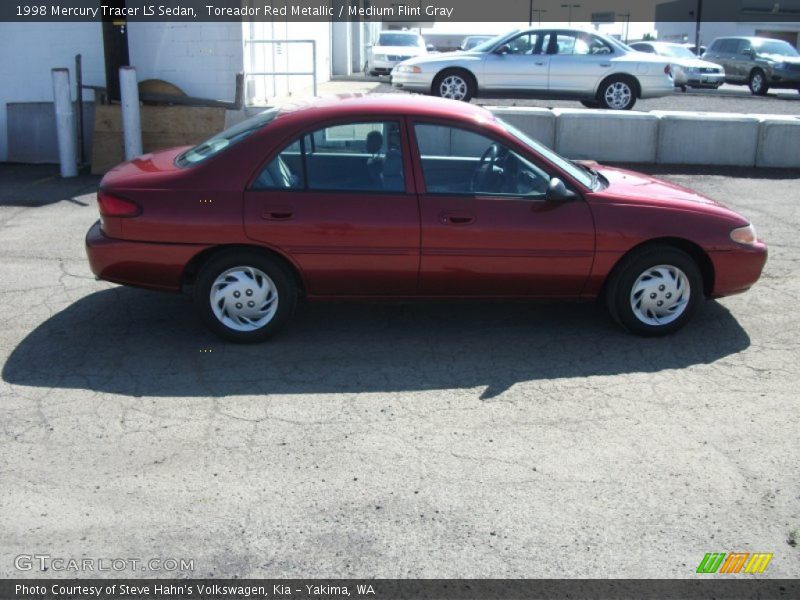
[
  {"x": 758, "y": 83},
  {"x": 617, "y": 93},
  {"x": 455, "y": 85},
  {"x": 654, "y": 290},
  {"x": 245, "y": 296}
]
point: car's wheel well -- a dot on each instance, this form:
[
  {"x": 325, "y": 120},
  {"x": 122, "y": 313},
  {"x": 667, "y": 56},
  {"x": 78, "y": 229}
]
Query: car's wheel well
[
  {"x": 461, "y": 70},
  {"x": 697, "y": 253},
  {"x": 194, "y": 266},
  {"x": 637, "y": 87}
]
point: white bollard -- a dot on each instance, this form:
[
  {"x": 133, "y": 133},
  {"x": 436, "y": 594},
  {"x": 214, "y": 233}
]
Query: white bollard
[
  {"x": 65, "y": 123},
  {"x": 131, "y": 117}
]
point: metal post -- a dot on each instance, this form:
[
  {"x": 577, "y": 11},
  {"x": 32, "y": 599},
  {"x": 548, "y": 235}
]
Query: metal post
[
  {"x": 65, "y": 123},
  {"x": 697, "y": 27},
  {"x": 131, "y": 118},
  {"x": 314, "y": 64},
  {"x": 79, "y": 98},
  {"x": 530, "y": 13}
]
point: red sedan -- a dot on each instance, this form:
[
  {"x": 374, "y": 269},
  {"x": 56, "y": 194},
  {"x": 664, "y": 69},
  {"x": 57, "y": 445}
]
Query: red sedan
[{"x": 408, "y": 197}]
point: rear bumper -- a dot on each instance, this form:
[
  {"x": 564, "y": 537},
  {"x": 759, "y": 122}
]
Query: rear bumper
[
  {"x": 150, "y": 265},
  {"x": 737, "y": 270}
]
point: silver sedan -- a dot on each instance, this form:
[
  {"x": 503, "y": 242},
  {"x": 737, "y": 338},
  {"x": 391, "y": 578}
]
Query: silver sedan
[{"x": 546, "y": 63}]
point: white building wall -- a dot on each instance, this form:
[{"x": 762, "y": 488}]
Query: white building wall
[
  {"x": 30, "y": 50},
  {"x": 200, "y": 58}
]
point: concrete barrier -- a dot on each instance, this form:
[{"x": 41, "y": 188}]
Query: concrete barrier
[
  {"x": 707, "y": 139},
  {"x": 665, "y": 137},
  {"x": 778, "y": 142},
  {"x": 538, "y": 123},
  {"x": 610, "y": 134}
]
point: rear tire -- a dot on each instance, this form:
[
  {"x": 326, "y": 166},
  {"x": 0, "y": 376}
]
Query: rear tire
[
  {"x": 617, "y": 93},
  {"x": 758, "y": 83},
  {"x": 454, "y": 84},
  {"x": 654, "y": 290},
  {"x": 245, "y": 296}
]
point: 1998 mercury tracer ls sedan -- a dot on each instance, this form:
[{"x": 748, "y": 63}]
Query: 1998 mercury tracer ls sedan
[{"x": 408, "y": 197}]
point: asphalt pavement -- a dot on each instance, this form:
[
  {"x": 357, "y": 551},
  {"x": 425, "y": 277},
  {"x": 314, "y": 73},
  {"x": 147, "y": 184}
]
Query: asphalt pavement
[{"x": 393, "y": 440}]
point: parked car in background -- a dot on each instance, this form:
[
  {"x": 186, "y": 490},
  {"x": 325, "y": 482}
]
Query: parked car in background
[
  {"x": 473, "y": 40},
  {"x": 407, "y": 197},
  {"x": 393, "y": 47},
  {"x": 544, "y": 63},
  {"x": 687, "y": 69},
  {"x": 760, "y": 63},
  {"x": 694, "y": 50}
]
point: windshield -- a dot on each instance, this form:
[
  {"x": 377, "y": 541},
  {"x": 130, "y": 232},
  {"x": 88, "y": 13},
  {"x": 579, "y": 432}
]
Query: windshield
[
  {"x": 776, "y": 47},
  {"x": 675, "y": 51},
  {"x": 226, "y": 139},
  {"x": 398, "y": 39},
  {"x": 491, "y": 42},
  {"x": 577, "y": 173}
]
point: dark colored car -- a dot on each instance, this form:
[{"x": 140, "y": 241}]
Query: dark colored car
[
  {"x": 759, "y": 63},
  {"x": 408, "y": 197}
]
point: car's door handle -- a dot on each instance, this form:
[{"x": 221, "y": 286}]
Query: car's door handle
[
  {"x": 456, "y": 219},
  {"x": 541, "y": 64},
  {"x": 605, "y": 64},
  {"x": 277, "y": 215}
]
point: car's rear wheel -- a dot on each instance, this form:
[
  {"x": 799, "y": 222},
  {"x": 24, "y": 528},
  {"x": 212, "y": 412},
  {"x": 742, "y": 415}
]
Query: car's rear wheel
[
  {"x": 454, "y": 85},
  {"x": 758, "y": 82},
  {"x": 654, "y": 290},
  {"x": 245, "y": 296},
  {"x": 617, "y": 93}
]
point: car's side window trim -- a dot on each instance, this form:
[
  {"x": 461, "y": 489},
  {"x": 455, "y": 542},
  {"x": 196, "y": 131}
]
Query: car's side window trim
[{"x": 307, "y": 133}]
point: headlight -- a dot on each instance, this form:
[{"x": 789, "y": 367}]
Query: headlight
[
  {"x": 693, "y": 70},
  {"x": 745, "y": 235},
  {"x": 408, "y": 69},
  {"x": 779, "y": 65},
  {"x": 380, "y": 57}
]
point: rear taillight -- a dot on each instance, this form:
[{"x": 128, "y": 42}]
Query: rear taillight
[
  {"x": 114, "y": 206},
  {"x": 668, "y": 70}
]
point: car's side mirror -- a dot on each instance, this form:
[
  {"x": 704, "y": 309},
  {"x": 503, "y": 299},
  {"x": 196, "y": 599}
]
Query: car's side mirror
[
  {"x": 558, "y": 192},
  {"x": 430, "y": 47},
  {"x": 504, "y": 49},
  {"x": 749, "y": 52}
]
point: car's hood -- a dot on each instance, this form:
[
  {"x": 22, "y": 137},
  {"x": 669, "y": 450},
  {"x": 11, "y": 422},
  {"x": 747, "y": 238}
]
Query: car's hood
[
  {"x": 149, "y": 167},
  {"x": 400, "y": 50},
  {"x": 689, "y": 63},
  {"x": 639, "y": 188},
  {"x": 792, "y": 60}
]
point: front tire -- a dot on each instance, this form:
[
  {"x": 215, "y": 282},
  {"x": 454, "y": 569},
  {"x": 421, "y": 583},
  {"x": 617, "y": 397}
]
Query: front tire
[
  {"x": 617, "y": 93},
  {"x": 654, "y": 291},
  {"x": 244, "y": 296},
  {"x": 758, "y": 83},
  {"x": 454, "y": 85}
]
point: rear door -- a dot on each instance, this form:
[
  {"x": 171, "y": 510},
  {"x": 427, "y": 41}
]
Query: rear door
[
  {"x": 487, "y": 229},
  {"x": 578, "y": 62},
  {"x": 337, "y": 203}
]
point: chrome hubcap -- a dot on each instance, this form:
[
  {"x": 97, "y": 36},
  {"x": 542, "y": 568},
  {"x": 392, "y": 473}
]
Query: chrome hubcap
[
  {"x": 618, "y": 95},
  {"x": 453, "y": 87},
  {"x": 758, "y": 81},
  {"x": 244, "y": 298},
  {"x": 660, "y": 295}
]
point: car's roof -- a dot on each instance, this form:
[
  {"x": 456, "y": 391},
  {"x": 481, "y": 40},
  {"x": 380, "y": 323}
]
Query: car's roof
[{"x": 387, "y": 104}]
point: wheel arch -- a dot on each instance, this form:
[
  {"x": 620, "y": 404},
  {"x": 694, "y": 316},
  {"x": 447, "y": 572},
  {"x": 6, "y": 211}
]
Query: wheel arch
[
  {"x": 193, "y": 267},
  {"x": 694, "y": 250},
  {"x": 637, "y": 85}
]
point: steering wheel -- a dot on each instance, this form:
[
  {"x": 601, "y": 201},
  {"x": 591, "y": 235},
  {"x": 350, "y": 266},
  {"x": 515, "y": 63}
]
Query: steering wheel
[{"x": 485, "y": 171}]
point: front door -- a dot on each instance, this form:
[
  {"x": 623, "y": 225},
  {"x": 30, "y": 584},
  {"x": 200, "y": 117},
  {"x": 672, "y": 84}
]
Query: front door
[
  {"x": 487, "y": 229},
  {"x": 335, "y": 201}
]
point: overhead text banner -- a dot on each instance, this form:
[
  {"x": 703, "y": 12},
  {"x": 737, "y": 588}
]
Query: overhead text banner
[{"x": 412, "y": 12}]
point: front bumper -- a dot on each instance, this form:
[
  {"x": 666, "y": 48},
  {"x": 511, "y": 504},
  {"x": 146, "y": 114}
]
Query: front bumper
[
  {"x": 416, "y": 82},
  {"x": 152, "y": 265},
  {"x": 705, "y": 80},
  {"x": 789, "y": 78},
  {"x": 735, "y": 271}
]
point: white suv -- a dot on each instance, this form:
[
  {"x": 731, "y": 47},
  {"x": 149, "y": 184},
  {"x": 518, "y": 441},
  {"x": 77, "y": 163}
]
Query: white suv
[{"x": 392, "y": 48}]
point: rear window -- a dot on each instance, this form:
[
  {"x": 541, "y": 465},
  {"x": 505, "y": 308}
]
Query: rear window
[{"x": 222, "y": 141}]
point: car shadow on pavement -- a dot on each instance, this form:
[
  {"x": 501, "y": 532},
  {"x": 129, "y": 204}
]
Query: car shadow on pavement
[{"x": 140, "y": 343}]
